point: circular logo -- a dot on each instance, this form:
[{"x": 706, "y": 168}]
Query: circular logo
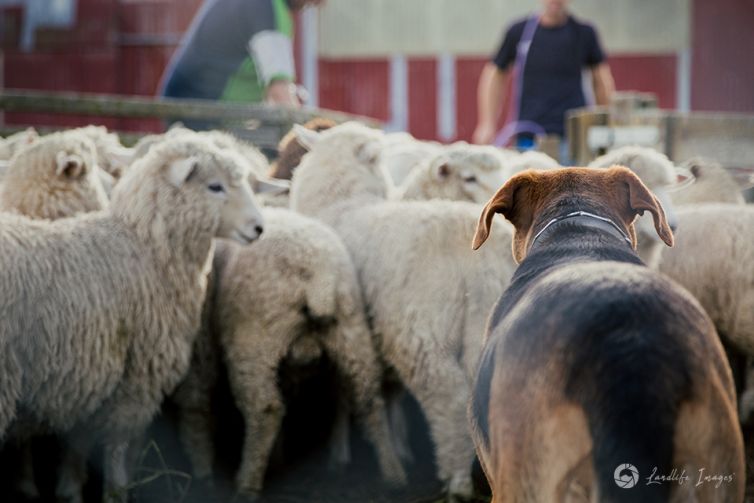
[{"x": 626, "y": 476}]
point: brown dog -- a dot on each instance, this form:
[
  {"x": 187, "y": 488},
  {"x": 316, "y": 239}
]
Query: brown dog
[{"x": 600, "y": 379}]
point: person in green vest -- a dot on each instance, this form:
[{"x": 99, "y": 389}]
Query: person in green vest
[{"x": 237, "y": 51}]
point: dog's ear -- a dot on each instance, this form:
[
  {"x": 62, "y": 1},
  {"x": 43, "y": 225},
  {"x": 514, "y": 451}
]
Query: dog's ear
[
  {"x": 512, "y": 201},
  {"x": 641, "y": 199}
]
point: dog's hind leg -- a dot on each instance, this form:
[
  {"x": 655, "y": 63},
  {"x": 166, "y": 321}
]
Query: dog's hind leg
[{"x": 709, "y": 445}]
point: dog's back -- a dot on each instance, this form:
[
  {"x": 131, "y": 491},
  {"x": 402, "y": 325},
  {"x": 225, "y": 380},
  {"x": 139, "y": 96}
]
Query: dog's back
[{"x": 601, "y": 377}]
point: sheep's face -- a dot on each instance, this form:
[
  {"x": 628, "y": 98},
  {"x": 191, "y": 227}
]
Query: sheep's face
[
  {"x": 112, "y": 157},
  {"x": 218, "y": 182},
  {"x": 470, "y": 177},
  {"x": 186, "y": 188}
]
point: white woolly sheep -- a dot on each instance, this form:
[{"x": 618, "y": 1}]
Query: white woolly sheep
[
  {"x": 11, "y": 144},
  {"x": 269, "y": 192},
  {"x": 458, "y": 174},
  {"x": 295, "y": 292},
  {"x": 530, "y": 159},
  {"x": 712, "y": 184},
  {"x": 258, "y": 163},
  {"x": 94, "y": 359},
  {"x": 713, "y": 258},
  {"x": 55, "y": 177},
  {"x": 427, "y": 294},
  {"x": 401, "y": 153},
  {"x": 653, "y": 167},
  {"x": 112, "y": 156}
]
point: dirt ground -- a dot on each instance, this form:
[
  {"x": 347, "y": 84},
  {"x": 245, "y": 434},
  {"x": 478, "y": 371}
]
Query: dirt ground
[{"x": 298, "y": 472}]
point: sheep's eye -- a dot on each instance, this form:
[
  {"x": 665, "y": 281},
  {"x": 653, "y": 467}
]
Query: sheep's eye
[
  {"x": 469, "y": 179},
  {"x": 216, "y": 187}
]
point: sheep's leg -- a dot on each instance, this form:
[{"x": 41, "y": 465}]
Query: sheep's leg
[
  {"x": 27, "y": 485},
  {"x": 359, "y": 366},
  {"x": 340, "y": 447},
  {"x": 399, "y": 425},
  {"x": 194, "y": 400},
  {"x": 256, "y": 394},
  {"x": 195, "y": 431},
  {"x": 116, "y": 472},
  {"x": 72, "y": 475},
  {"x": 439, "y": 384},
  {"x": 10, "y": 386}
]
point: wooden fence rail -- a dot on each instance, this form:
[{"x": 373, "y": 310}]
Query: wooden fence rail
[{"x": 264, "y": 124}]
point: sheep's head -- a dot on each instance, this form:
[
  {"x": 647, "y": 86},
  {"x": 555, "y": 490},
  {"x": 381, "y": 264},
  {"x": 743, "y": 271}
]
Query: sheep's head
[
  {"x": 188, "y": 183},
  {"x": 54, "y": 177},
  {"x": 466, "y": 175},
  {"x": 226, "y": 141},
  {"x": 352, "y": 143},
  {"x": 17, "y": 141},
  {"x": 112, "y": 156},
  {"x": 530, "y": 159}
]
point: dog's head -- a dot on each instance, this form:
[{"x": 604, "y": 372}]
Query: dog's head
[{"x": 532, "y": 198}]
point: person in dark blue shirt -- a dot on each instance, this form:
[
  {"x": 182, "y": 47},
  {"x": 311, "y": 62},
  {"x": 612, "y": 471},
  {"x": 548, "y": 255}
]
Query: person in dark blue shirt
[{"x": 545, "y": 55}]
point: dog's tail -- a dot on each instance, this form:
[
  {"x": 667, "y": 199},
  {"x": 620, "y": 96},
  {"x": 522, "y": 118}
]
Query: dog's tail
[{"x": 636, "y": 391}]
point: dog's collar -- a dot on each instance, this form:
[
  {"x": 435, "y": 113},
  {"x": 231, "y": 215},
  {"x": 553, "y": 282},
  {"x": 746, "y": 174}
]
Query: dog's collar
[{"x": 575, "y": 214}]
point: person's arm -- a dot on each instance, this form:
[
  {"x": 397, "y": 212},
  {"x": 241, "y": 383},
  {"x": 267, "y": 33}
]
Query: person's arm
[
  {"x": 282, "y": 92},
  {"x": 603, "y": 83},
  {"x": 493, "y": 83},
  {"x": 272, "y": 53}
]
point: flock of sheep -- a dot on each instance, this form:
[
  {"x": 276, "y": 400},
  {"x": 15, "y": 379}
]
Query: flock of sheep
[{"x": 129, "y": 274}]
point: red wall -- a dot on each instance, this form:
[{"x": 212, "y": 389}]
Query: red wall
[
  {"x": 355, "y": 86},
  {"x": 722, "y": 62},
  {"x": 362, "y": 87},
  {"x": 422, "y": 98}
]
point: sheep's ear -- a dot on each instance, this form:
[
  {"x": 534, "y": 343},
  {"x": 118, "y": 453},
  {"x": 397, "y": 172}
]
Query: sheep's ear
[
  {"x": 31, "y": 135},
  {"x": 121, "y": 156},
  {"x": 306, "y": 137},
  {"x": 69, "y": 166},
  {"x": 368, "y": 153},
  {"x": 268, "y": 185},
  {"x": 442, "y": 172},
  {"x": 181, "y": 170},
  {"x": 513, "y": 200},
  {"x": 641, "y": 199}
]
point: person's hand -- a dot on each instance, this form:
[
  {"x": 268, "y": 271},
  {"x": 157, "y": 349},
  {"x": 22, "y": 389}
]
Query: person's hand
[
  {"x": 484, "y": 133},
  {"x": 282, "y": 92}
]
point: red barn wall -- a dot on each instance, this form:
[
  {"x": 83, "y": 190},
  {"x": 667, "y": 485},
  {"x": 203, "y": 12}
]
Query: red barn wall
[{"x": 722, "y": 69}]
